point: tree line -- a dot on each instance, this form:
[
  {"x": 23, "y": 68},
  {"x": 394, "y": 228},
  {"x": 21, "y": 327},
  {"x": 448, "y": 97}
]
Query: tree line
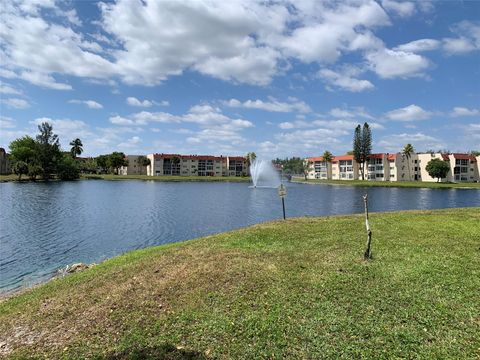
[{"x": 42, "y": 157}]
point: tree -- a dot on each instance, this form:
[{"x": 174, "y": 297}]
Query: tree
[
  {"x": 251, "y": 156},
  {"x": 437, "y": 168},
  {"x": 68, "y": 168},
  {"x": 34, "y": 170},
  {"x": 116, "y": 160},
  {"x": 362, "y": 146},
  {"x": 143, "y": 161},
  {"x": 407, "y": 152},
  {"x": 48, "y": 150},
  {"x": 77, "y": 148},
  {"x": 20, "y": 168},
  {"x": 475, "y": 153},
  {"x": 103, "y": 162},
  {"x": 327, "y": 156},
  {"x": 23, "y": 153}
]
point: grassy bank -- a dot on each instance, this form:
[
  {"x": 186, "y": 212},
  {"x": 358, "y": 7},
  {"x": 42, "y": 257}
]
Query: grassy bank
[
  {"x": 408, "y": 184},
  {"x": 293, "y": 289},
  {"x": 8, "y": 178}
]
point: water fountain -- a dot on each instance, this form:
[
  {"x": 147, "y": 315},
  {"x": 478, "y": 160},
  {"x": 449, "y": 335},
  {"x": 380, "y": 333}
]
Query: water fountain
[{"x": 264, "y": 174}]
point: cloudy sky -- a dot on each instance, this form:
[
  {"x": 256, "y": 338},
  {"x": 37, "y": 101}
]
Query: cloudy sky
[{"x": 226, "y": 77}]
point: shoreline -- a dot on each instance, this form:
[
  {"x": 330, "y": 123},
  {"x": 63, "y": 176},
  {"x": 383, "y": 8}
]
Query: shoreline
[
  {"x": 109, "y": 177},
  {"x": 387, "y": 184},
  {"x": 59, "y": 273},
  {"x": 216, "y": 295}
]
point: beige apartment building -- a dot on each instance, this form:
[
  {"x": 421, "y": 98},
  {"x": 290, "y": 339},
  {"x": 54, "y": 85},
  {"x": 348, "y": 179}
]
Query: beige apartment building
[
  {"x": 4, "y": 163},
  {"x": 395, "y": 167},
  {"x": 463, "y": 167},
  {"x": 196, "y": 165},
  {"x": 134, "y": 166}
]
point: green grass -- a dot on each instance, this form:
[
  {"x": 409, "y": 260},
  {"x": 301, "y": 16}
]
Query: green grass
[
  {"x": 294, "y": 289},
  {"x": 408, "y": 184}
]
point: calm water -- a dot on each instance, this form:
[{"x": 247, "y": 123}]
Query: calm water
[{"x": 47, "y": 226}]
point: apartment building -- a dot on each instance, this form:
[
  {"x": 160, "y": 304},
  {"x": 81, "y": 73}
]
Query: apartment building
[
  {"x": 395, "y": 167},
  {"x": 463, "y": 167},
  {"x": 319, "y": 168},
  {"x": 196, "y": 165},
  {"x": 134, "y": 166},
  {"x": 4, "y": 163}
]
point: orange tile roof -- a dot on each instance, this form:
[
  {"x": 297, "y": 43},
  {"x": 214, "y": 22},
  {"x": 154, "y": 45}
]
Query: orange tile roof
[
  {"x": 342, "y": 157},
  {"x": 392, "y": 156},
  {"x": 464, "y": 156},
  {"x": 318, "y": 158}
]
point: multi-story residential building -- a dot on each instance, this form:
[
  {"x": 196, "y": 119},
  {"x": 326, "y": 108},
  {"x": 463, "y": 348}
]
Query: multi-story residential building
[
  {"x": 4, "y": 163},
  {"x": 395, "y": 167},
  {"x": 319, "y": 168},
  {"x": 344, "y": 168},
  {"x": 196, "y": 165},
  {"x": 463, "y": 167},
  {"x": 134, "y": 166}
]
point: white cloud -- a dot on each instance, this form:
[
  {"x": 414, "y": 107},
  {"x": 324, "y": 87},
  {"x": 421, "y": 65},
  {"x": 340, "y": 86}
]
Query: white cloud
[
  {"x": 401, "y": 8},
  {"x": 89, "y": 103},
  {"x": 273, "y": 105},
  {"x": 350, "y": 113},
  {"x": 467, "y": 40},
  {"x": 149, "y": 41},
  {"x": 389, "y": 64},
  {"x": 133, "y": 142},
  {"x": 344, "y": 81},
  {"x": 9, "y": 90},
  {"x": 43, "y": 80},
  {"x": 409, "y": 113},
  {"x": 118, "y": 120},
  {"x": 133, "y": 101},
  {"x": 420, "y": 141},
  {"x": 16, "y": 103},
  {"x": 6, "y": 122},
  {"x": 462, "y": 111},
  {"x": 419, "y": 45}
]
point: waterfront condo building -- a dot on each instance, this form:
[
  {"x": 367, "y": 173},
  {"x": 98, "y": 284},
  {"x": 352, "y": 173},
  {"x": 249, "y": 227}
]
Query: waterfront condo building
[
  {"x": 395, "y": 167},
  {"x": 134, "y": 166},
  {"x": 4, "y": 163},
  {"x": 196, "y": 165}
]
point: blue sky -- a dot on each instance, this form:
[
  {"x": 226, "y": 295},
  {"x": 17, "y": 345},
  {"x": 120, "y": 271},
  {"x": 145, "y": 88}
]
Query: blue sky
[{"x": 228, "y": 77}]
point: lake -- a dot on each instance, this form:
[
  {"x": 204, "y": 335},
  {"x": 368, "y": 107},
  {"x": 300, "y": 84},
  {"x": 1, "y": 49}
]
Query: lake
[{"x": 46, "y": 226}]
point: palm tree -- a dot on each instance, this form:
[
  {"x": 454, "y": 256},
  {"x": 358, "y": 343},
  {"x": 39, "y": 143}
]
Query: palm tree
[
  {"x": 327, "y": 156},
  {"x": 76, "y": 147},
  {"x": 251, "y": 156},
  {"x": 407, "y": 152}
]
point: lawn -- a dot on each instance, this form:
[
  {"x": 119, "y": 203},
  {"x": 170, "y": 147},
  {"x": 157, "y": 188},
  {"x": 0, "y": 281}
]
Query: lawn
[
  {"x": 296, "y": 289},
  {"x": 410, "y": 184}
]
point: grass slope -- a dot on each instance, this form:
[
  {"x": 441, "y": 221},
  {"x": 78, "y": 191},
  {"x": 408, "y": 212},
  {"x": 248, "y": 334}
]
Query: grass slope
[
  {"x": 287, "y": 289},
  {"x": 409, "y": 184}
]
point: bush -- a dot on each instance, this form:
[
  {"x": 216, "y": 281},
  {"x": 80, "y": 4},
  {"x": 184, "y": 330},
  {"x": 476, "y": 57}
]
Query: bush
[{"x": 68, "y": 169}]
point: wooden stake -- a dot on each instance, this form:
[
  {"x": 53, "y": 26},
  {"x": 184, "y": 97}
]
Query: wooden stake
[{"x": 368, "y": 251}]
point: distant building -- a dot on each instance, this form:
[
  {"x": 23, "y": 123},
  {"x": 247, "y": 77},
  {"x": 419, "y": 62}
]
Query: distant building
[
  {"x": 4, "y": 163},
  {"x": 196, "y": 165},
  {"x": 395, "y": 167},
  {"x": 134, "y": 166}
]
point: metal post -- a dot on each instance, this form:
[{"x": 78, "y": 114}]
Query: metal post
[{"x": 283, "y": 205}]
